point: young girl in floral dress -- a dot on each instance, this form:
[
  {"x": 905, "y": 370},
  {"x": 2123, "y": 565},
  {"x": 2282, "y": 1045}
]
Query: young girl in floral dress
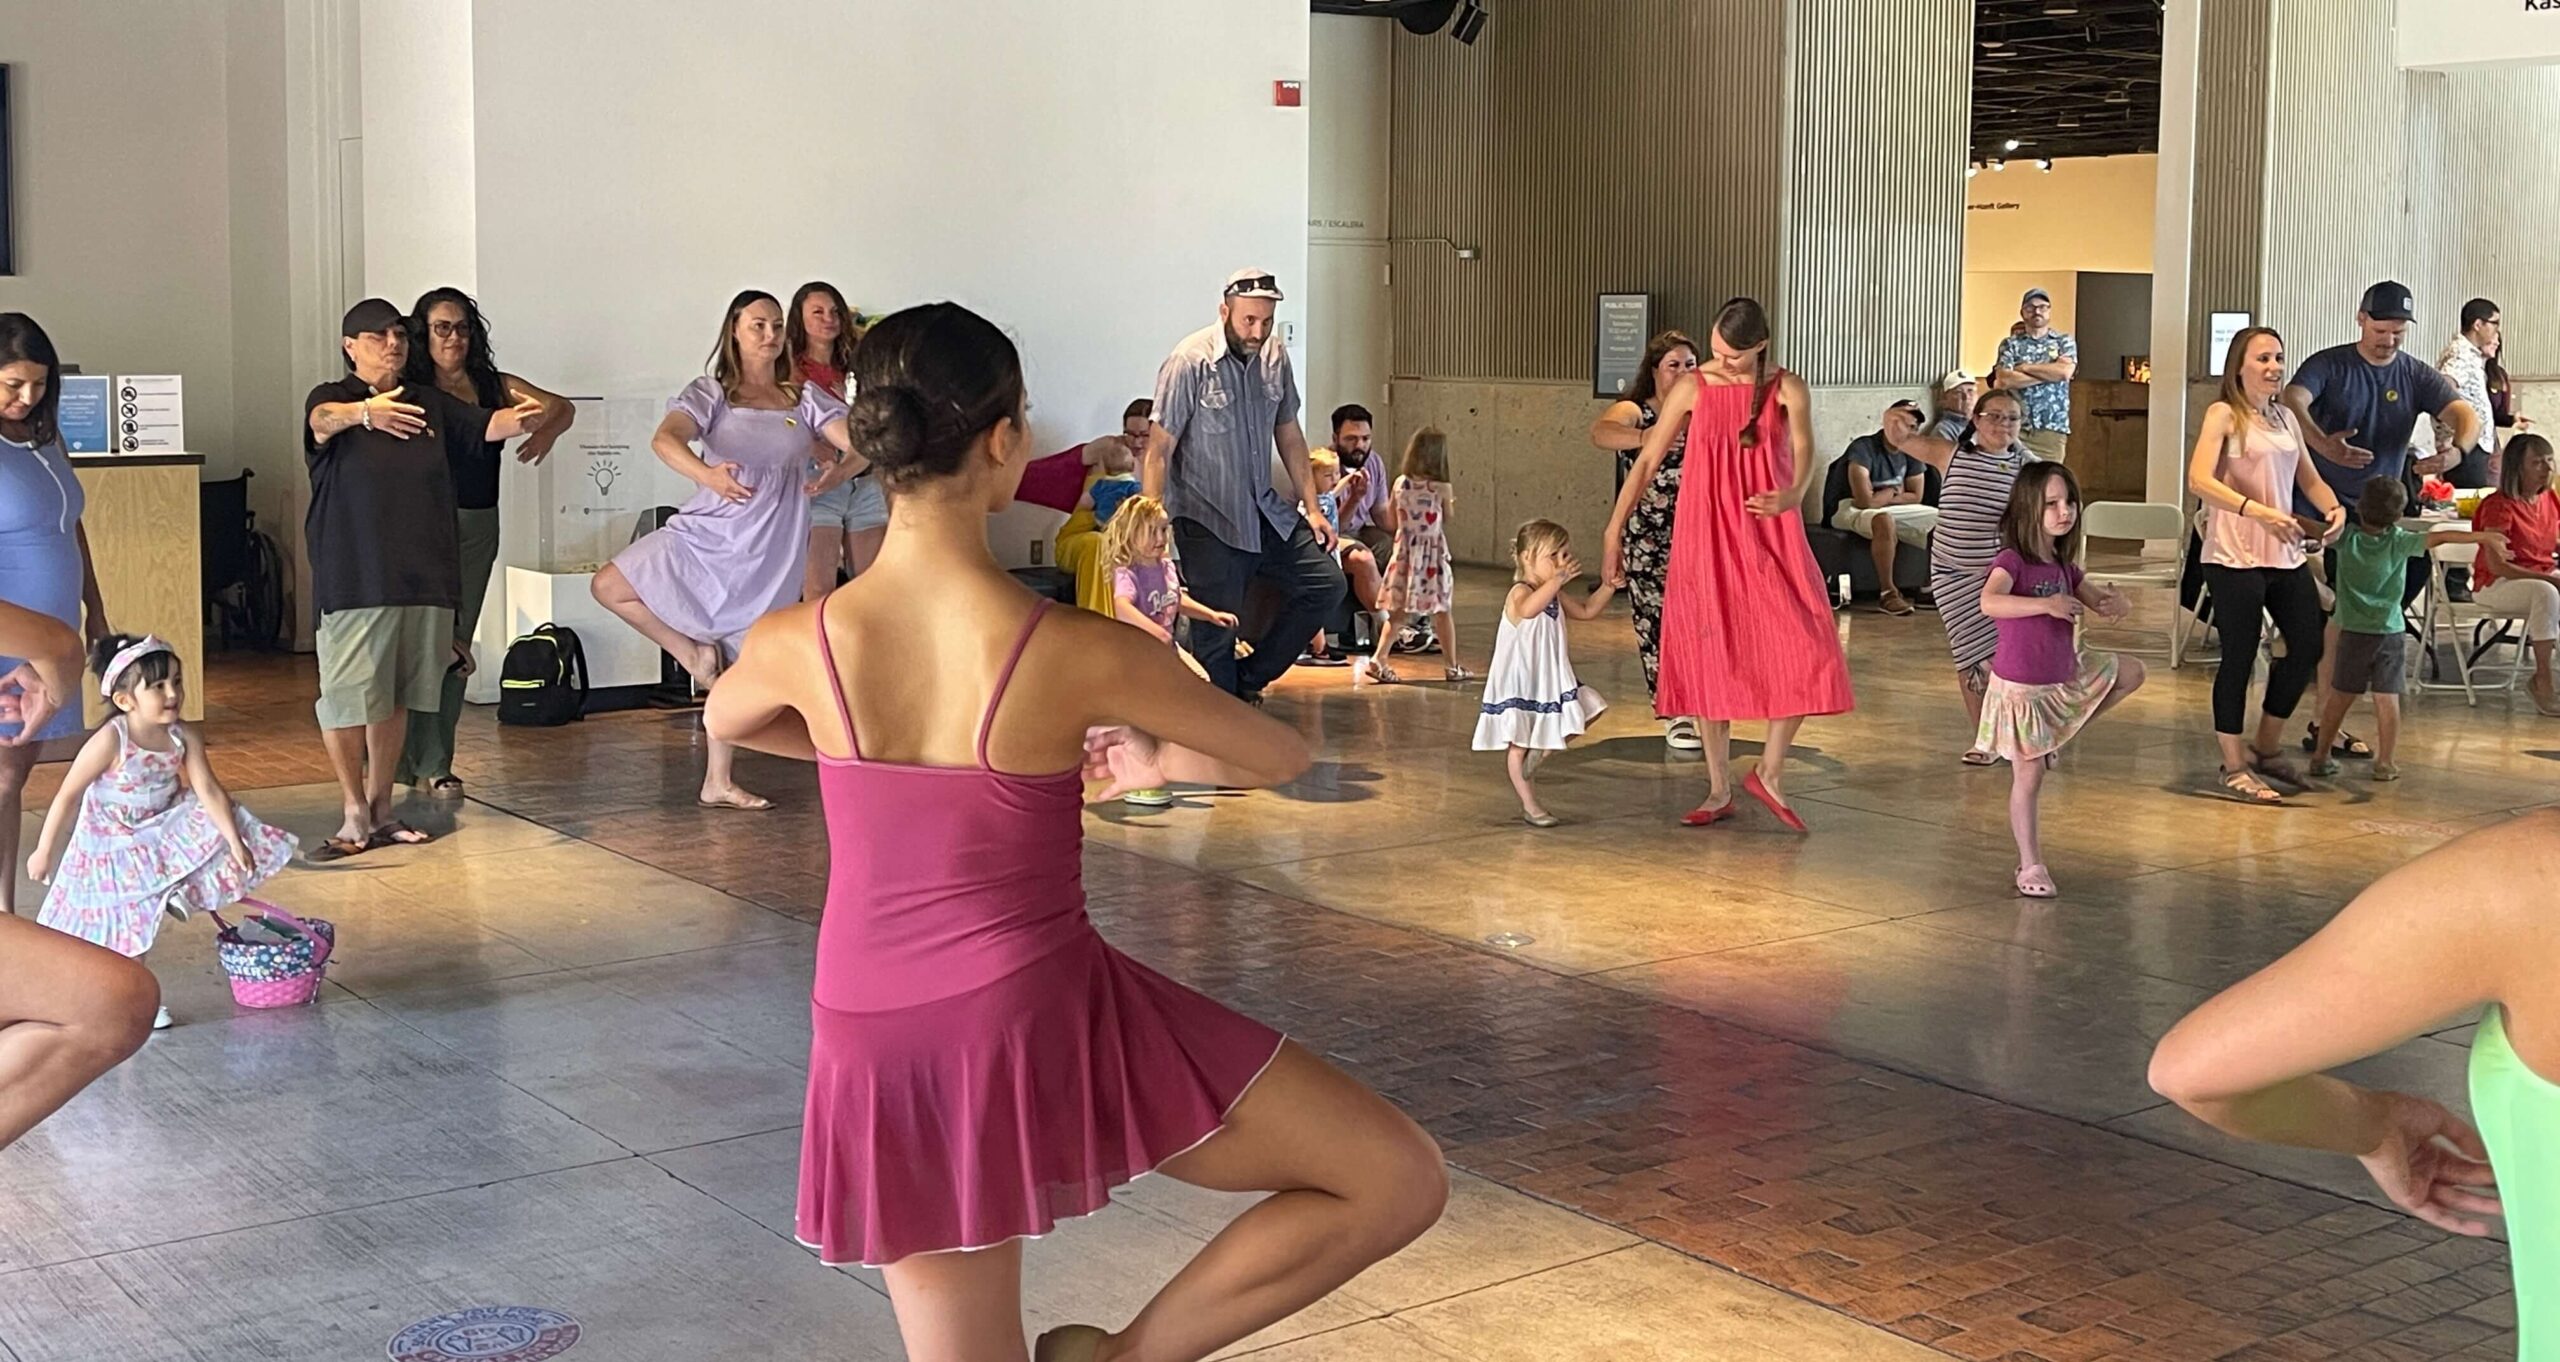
[{"x": 1418, "y": 574}]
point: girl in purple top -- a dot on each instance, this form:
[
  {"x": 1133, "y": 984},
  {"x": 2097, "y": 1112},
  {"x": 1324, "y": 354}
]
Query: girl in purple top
[
  {"x": 2043, "y": 689},
  {"x": 737, "y": 548}
]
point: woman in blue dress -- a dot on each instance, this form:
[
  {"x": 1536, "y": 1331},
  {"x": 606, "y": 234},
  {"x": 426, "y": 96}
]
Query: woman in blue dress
[{"x": 44, "y": 555}]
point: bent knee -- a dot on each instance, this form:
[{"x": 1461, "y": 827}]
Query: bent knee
[
  {"x": 1409, "y": 1188},
  {"x": 2130, "y": 674},
  {"x": 115, "y": 1017}
]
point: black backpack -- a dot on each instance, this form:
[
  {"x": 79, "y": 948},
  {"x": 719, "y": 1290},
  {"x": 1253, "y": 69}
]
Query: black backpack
[{"x": 543, "y": 682}]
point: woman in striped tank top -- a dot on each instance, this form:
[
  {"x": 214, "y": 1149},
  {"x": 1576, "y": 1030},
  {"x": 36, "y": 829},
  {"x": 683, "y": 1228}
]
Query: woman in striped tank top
[{"x": 1980, "y": 467}]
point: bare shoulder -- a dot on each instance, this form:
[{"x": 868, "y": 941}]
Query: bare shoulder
[{"x": 1792, "y": 390}]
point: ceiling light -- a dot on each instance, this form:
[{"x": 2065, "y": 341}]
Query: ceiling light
[
  {"x": 2119, "y": 97},
  {"x": 2044, "y": 163},
  {"x": 1971, "y": 171},
  {"x": 2060, "y": 11},
  {"x": 2069, "y": 120},
  {"x": 1998, "y": 164},
  {"x": 2012, "y": 144}
]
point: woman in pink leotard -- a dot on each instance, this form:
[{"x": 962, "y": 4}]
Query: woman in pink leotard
[{"x": 983, "y": 1064}]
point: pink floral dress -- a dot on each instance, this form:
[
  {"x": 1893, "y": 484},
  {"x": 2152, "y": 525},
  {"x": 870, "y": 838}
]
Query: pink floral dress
[
  {"x": 144, "y": 839},
  {"x": 1418, "y": 575}
]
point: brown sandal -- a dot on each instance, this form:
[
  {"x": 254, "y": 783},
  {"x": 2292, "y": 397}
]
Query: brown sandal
[{"x": 2248, "y": 789}]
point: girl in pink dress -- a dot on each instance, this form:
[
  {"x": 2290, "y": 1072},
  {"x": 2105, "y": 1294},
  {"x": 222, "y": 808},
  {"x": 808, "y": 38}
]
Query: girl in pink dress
[
  {"x": 982, "y": 1063},
  {"x": 1746, "y": 628}
]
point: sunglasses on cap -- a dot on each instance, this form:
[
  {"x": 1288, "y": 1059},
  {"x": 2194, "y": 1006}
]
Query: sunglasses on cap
[{"x": 1260, "y": 283}]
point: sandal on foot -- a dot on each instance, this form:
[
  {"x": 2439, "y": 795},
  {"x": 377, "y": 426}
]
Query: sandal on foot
[
  {"x": 444, "y": 787},
  {"x": 1371, "y": 669},
  {"x": 336, "y": 849},
  {"x": 2035, "y": 882},
  {"x": 2346, "y": 745},
  {"x": 736, "y": 799},
  {"x": 1751, "y": 785},
  {"x": 1457, "y": 674},
  {"x": 1540, "y": 820},
  {"x": 2325, "y": 766},
  {"x": 396, "y": 834},
  {"x": 1069, "y": 1343},
  {"x": 1975, "y": 756},
  {"x": 2386, "y": 770},
  {"x": 2248, "y": 789}
]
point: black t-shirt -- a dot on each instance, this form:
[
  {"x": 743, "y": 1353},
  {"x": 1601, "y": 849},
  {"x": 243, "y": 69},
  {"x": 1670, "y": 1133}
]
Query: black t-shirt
[
  {"x": 475, "y": 461},
  {"x": 381, "y": 526}
]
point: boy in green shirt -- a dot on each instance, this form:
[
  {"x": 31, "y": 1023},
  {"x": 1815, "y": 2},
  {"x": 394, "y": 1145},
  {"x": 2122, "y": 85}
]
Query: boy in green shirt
[{"x": 2373, "y": 637}]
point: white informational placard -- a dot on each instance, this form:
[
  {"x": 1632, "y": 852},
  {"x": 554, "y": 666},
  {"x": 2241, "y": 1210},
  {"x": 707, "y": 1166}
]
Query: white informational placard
[
  {"x": 601, "y": 479},
  {"x": 150, "y": 413},
  {"x": 2448, "y": 35},
  {"x": 2224, "y": 326},
  {"x": 1621, "y": 326}
]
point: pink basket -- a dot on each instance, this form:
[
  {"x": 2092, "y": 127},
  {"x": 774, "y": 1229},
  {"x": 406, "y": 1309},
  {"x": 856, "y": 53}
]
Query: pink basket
[{"x": 271, "y": 975}]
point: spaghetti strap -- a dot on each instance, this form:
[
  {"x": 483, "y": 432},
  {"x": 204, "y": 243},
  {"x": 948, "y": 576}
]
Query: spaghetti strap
[
  {"x": 1004, "y": 679},
  {"x": 835, "y": 682}
]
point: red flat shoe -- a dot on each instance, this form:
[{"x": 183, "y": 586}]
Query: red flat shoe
[
  {"x": 1707, "y": 818},
  {"x": 1751, "y": 784}
]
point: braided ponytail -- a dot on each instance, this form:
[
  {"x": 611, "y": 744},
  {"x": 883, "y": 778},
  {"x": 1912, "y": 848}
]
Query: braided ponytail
[{"x": 1743, "y": 324}]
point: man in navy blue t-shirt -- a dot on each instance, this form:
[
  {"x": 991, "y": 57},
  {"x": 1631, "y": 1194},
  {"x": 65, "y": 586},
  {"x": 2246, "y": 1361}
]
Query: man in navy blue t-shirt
[{"x": 2358, "y": 403}]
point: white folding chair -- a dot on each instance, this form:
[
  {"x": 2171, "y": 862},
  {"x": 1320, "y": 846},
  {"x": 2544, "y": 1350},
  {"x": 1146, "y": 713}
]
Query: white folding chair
[
  {"x": 2149, "y": 523},
  {"x": 2443, "y": 613}
]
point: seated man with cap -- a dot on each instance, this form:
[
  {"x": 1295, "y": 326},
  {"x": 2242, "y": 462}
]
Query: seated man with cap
[
  {"x": 386, "y": 560},
  {"x": 1885, "y": 500}
]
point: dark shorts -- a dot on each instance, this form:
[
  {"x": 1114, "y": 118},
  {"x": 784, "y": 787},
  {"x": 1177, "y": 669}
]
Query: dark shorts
[{"x": 2373, "y": 664}]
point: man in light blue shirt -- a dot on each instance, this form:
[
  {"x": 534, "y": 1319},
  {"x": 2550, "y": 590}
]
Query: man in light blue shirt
[
  {"x": 2037, "y": 363},
  {"x": 1225, "y": 399}
]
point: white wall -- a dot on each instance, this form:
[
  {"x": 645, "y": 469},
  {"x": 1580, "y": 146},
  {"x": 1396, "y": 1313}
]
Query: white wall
[
  {"x": 122, "y": 195},
  {"x": 418, "y": 183},
  {"x": 1085, "y": 175},
  {"x": 1350, "y": 77}
]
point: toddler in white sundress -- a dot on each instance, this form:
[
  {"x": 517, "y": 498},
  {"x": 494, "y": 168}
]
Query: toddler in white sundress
[
  {"x": 150, "y": 830},
  {"x": 1534, "y": 704}
]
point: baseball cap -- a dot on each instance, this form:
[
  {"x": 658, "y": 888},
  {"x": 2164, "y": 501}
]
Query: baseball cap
[
  {"x": 370, "y": 316},
  {"x": 2033, "y": 295},
  {"x": 2389, "y": 301},
  {"x": 1956, "y": 378},
  {"x": 1905, "y": 404},
  {"x": 1254, "y": 283}
]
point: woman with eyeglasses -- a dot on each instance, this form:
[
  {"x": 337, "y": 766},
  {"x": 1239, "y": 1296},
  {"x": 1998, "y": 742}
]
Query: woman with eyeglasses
[
  {"x": 1980, "y": 466},
  {"x": 449, "y": 349}
]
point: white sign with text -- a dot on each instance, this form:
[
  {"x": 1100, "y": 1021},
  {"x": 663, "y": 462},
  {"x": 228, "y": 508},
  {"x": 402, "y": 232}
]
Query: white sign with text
[{"x": 2447, "y": 35}]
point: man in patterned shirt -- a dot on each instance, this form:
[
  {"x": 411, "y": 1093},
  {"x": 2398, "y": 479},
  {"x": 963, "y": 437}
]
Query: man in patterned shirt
[{"x": 2037, "y": 363}]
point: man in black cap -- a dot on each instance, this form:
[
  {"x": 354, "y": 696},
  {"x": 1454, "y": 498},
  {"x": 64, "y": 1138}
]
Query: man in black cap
[
  {"x": 2357, "y": 404},
  {"x": 386, "y": 567}
]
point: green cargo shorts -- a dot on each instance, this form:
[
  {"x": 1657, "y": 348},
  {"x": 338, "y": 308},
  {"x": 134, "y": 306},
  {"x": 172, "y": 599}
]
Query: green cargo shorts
[{"x": 382, "y": 658}]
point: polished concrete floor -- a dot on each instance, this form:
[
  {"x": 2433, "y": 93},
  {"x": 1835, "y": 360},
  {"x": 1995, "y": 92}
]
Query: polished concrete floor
[{"x": 1720, "y": 1094}]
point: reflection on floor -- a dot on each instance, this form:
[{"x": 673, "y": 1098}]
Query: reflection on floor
[{"x": 1723, "y": 1094}]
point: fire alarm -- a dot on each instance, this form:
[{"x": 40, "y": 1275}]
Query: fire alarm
[{"x": 1287, "y": 94}]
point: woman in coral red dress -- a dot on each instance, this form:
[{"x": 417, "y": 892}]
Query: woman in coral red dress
[{"x": 1746, "y": 627}]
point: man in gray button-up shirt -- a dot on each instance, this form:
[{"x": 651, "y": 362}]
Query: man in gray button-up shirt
[{"x": 1225, "y": 398}]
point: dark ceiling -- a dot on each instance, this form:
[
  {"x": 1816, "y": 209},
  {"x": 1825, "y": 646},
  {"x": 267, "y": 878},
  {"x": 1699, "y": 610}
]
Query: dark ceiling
[{"x": 2065, "y": 79}]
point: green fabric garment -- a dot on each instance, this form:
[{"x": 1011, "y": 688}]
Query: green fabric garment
[
  {"x": 2372, "y": 574},
  {"x": 2518, "y": 1112}
]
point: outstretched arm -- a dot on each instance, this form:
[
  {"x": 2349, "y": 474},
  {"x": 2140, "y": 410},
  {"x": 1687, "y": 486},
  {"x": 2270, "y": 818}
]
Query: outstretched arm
[{"x": 96, "y": 756}]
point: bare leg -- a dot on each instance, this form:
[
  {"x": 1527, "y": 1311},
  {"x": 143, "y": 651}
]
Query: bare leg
[
  {"x": 719, "y": 782},
  {"x": 1362, "y": 568},
  {"x": 347, "y": 749},
  {"x": 960, "y": 1307},
  {"x": 1386, "y": 638},
  {"x": 1447, "y": 624},
  {"x": 1881, "y": 546},
  {"x": 1773, "y": 757},
  {"x": 2386, "y": 727},
  {"x": 862, "y": 548},
  {"x": 2541, "y": 649},
  {"x": 2334, "y": 705},
  {"x": 1352, "y": 1181},
  {"x": 382, "y": 754},
  {"x": 15, "y": 763},
  {"x": 2130, "y": 674},
  {"x": 613, "y": 591},
  {"x": 1523, "y": 765},
  {"x": 2026, "y": 779},
  {"x": 2320, "y": 687},
  {"x": 1716, "y": 745},
  {"x": 826, "y": 554},
  {"x": 1970, "y": 683},
  {"x": 69, "y": 1011}
]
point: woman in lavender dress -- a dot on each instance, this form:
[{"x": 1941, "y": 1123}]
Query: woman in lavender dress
[{"x": 737, "y": 548}]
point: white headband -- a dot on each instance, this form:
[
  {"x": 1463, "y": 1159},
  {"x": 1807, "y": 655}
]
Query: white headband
[{"x": 123, "y": 661}]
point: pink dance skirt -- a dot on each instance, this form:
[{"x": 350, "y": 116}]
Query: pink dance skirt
[{"x": 994, "y": 1114}]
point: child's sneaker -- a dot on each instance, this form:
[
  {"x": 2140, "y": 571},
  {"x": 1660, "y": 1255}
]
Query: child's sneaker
[
  {"x": 2327, "y": 766},
  {"x": 160, "y": 1021},
  {"x": 177, "y": 908},
  {"x": 2384, "y": 770},
  {"x": 1156, "y": 798}
]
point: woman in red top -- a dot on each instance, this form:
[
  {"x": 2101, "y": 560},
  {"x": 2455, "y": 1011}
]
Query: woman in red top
[
  {"x": 2518, "y": 578},
  {"x": 1746, "y": 626}
]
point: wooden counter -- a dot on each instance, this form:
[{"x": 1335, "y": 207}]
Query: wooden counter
[{"x": 143, "y": 542}]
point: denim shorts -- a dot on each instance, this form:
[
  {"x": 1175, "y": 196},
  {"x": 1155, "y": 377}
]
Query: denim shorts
[{"x": 855, "y": 505}]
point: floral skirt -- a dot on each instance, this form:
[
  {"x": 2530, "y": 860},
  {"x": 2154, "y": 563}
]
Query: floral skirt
[{"x": 2029, "y": 723}]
